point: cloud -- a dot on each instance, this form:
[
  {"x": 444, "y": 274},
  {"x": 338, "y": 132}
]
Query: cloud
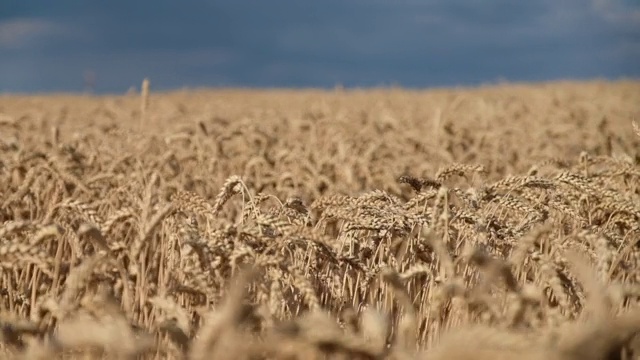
[
  {"x": 118, "y": 71},
  {"x": 21, "y": 32},
  {"x": 618, "y": 11},
  {"x": 294, "y": 43}
]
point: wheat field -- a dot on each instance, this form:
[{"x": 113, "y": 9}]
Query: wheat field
[{"x": 497, "y": 222}]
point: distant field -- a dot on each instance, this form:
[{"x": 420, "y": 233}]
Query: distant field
[{"x": 499, "y": 222}]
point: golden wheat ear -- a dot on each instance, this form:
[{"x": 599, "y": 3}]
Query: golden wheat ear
[
  {"x": 598, "y": 305},
  {"x": 598, "y": 340},
  {"x": 220, "y": 324},
  {"x": 597, "y": 334},
  {"x": 481, "y": 342}
]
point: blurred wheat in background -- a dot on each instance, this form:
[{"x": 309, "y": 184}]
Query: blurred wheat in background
[{"x": 498, "y": 222}]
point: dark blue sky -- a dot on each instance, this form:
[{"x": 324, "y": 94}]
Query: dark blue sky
[{"x": 48, "y": 45}]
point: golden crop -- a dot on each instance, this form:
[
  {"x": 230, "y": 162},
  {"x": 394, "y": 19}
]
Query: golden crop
[{"x": 499, "y": 222}]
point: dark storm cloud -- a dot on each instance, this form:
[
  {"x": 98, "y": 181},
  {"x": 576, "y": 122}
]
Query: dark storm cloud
[{"x": 47, "y": 47}]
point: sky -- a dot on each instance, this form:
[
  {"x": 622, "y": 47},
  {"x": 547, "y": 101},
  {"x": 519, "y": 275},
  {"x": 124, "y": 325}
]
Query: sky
[{"x": 48, "y": 46}]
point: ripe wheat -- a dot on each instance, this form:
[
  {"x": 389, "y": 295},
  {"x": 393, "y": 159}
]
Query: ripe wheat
[{"x": 491, "y": 223}]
